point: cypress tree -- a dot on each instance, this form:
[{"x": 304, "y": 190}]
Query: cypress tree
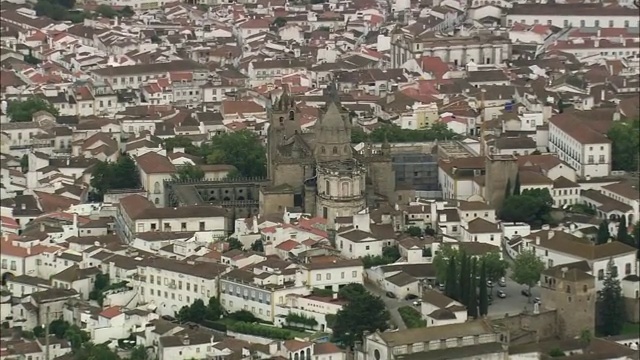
[
  {"x": 484, "y": 300},
  {"x": 516, "y": 186},
  {"x": 450, "y": 286},
  {"x": 472, "y": 303},
  {"x": 463, "y": 281},
  {"x": 507, "y": 190},
  {"x": 603, "y": 233},
  {"x": 622, "y": 230}
]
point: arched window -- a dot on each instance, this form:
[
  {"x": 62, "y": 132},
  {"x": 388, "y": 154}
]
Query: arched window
[
  {"x": 308, "y": 354},
  {"x": 296, "y": 356},
  {"x": 335, "y": 150},
  {"x": 156, "y": 188},
  {"x": 281, "y": 120},
  {"x": 292, "y": 116},
  {"x": 322, "y": 150},
  {"x": 156, "y": 201},
  {"x": 345, "y": 189}
]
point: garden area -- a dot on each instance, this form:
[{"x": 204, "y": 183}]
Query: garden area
[{"x": 411, "y": 317}]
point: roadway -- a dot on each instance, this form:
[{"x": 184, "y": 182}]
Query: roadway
[{"x": 514, "y": 303}]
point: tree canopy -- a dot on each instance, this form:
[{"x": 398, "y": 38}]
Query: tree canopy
[
  {"x": 197, "y": 312},
  {"x": 188, "y": 172},
  {"x": 611, "y": 313},
  {"x": 122, "y": 174},
  {"x": 22, "y": 111},
  {"x": 625, "y": 144},
  {"x": 603, "y": 234},
  {"x": 234, "y": 244},
  {"x": 395, "y": 134},
  {"x": 527, "y": 268},
  {"x": 363, "y": 312},
  {"x": 532, "y": 206},
  {"x": 242, "y": 149}
]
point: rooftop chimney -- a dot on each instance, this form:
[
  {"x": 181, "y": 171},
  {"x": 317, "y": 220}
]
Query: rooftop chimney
[
  {"x": 551, "y": 234},
  {"x": 537, "y": 240}
]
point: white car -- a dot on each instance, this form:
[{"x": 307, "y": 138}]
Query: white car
[{"x": 417, "y": 303}]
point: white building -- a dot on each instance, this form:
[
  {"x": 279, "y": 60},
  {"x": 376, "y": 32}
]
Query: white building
[
  {"x": 558, "y": 247},
  {"x": 573, "y": 15},
  {"x": 581, "y": 143},
  {"x": 168, "y": 285},
  {"x": 438, "y": 309}
]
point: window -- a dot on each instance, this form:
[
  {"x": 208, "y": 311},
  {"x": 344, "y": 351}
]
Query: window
[
  {"x": 318, "y": 277},
  {"x": 328, "y": 276},
  {"x": 183, "y": 226},
  {"x": 201, "y": 225},
  {"x": 585, "y": 288},
  {"x": 597, "y": 23},
  {"x": 610, "y": 23},
  {"x": 582, "y": 23},
  {"x": 354, "y": 273},
  {"x": 626, "y": 23},
  {"x": 566, "y": 23},
  {"x": 600, "y": 274},
  {"x": 627, "y": 269}
]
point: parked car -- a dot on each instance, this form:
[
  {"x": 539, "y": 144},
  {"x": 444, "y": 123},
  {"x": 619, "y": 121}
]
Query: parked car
[
  {"x": 441, "y": 287},
  {"x": 411, "y": 297},
  {"x": 417, "y": 303},
  {"x": 501, "y": 294},
  {"x": 526, "y": 292},
  {"x": 489, "y": 283},
  {"x": 502, "y": 282},
  {"x": 391, "y": 295}
]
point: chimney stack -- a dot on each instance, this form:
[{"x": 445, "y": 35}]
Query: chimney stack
[
  {"x": 551, "y": 234},
  {"x": 537, "y": 240}
]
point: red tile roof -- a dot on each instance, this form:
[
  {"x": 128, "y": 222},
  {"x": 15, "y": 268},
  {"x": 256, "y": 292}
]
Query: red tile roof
[{"x": 111, "y": 312}]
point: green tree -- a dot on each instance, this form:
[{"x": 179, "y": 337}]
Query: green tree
[
  {"x": 24, "y": 163},
  {"x": 106, "y": 11},
  {"x": 483, "y": 305},
  {"x": 139, "y": 353},
  {"x": 533, "y": 206},
  {"x": 450, "y": 287},
  {"x": 603, "y": 236},
  {"x": 22, "y": 111},
  {"x": 188, "y": 172},
  {"x": 122, "y": 174},
  {"x": 363, "y": 312},
  {"x": 441, "y": 262},
  {"x": 472, "y": 304},
  {"x": 38, "y": 331},
  {"x": 76, "y": 336},
  {"x": 612, "y": 308},
  {"x": 196, "y": 312},
  {"x": 58, "y": 328},
  {"x": 91, "y": 351},
  {"x": 352, "y": 291},
  {"x": 464, "y": 277},
  {"x": 395, "y": 134},
  {"x": 127, "y": 11},
  {"x": 181, "y": 142},
  {"x": 358, "y": 135},
  {"x": 214, "y": 309},
  {"x": 244, "y": 316},
  {"x": 507, "y": 190},
  {"x": 234, "y": 244},
  {"x": 556, "y": 352},
  {"x": 414, "y": 231},
  {"x": 257, "y": 246},
  {"x": 496, "y": 266},
  {"x": 527, "y": 268},
  {"x": 279, "y": 22},
  {"x": 242, "y": 149},
  {"x": 516, "y": 186},
  {"x": 623, "y": 235},
  {"x": 625, "y": 144}
]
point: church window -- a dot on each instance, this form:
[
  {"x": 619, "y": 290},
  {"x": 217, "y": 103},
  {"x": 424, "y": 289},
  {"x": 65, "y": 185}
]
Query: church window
[
  {"x": 156, "y": 188},
  {"x": 292, "y": 115},
  {"x": 327, "y": 187},
  {"x": 335, "y": 150},
  {"x": 322, "y": 150},
  {"x": 345, "y": 189},
  {"x": 281, "y": 120}
]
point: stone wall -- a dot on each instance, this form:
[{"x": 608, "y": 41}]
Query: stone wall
[{"x": 537, "y": 327}]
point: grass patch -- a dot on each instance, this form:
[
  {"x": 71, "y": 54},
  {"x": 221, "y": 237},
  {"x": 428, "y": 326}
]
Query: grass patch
[
  {"x": 630, "y": 329},
  {"x": 411, "y": 317},
  {"x": 261, "y": 330}
]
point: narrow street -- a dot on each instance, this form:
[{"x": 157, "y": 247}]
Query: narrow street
[{"x": 392, "y": 304}]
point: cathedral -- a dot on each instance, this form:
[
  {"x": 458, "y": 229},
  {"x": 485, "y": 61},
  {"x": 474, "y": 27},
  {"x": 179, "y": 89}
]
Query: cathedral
[{"x": 319, "y": 171}]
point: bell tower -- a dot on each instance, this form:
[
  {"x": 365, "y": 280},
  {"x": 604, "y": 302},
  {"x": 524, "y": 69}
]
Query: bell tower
[{"x": 285, "y": 116}]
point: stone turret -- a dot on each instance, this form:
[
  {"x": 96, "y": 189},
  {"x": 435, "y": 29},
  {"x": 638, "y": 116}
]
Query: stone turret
[{"x": 333, "y": 136}]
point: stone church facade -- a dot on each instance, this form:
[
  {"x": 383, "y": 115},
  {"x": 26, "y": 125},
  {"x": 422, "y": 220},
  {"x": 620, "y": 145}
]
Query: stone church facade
[{"x": 317, "y": 171}]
